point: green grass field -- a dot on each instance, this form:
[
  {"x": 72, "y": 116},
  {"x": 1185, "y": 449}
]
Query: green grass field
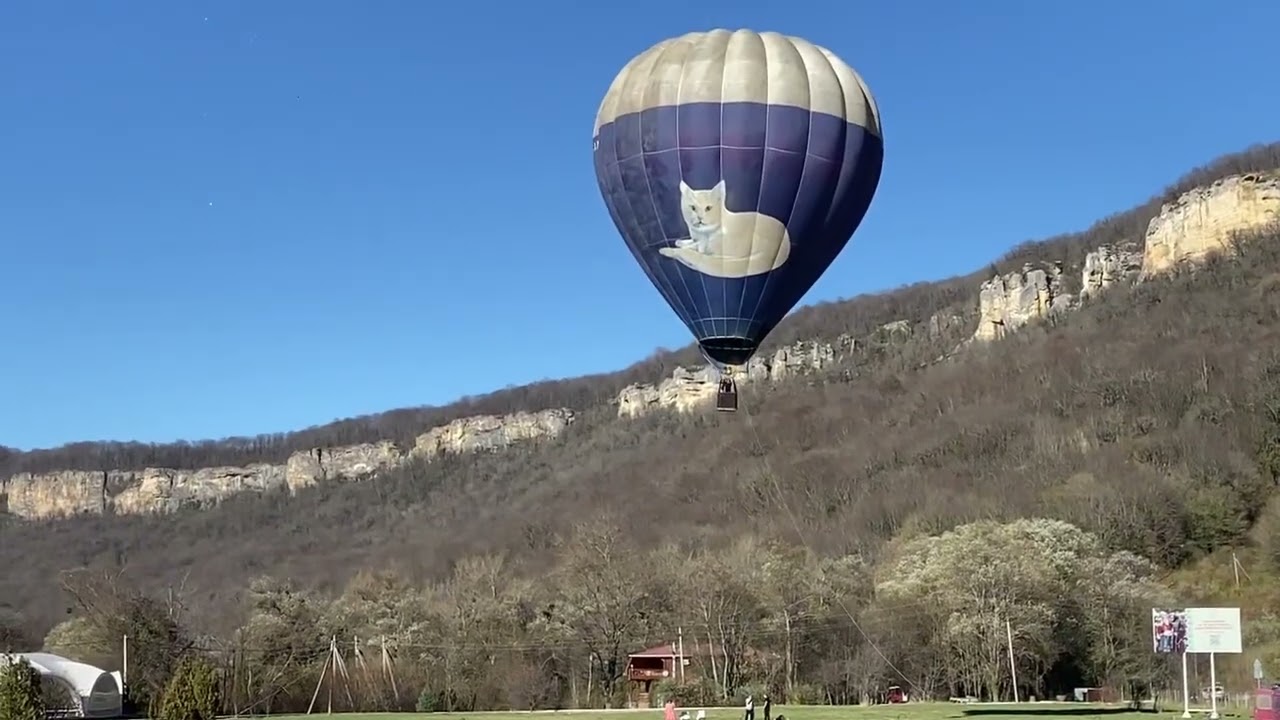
[{"x": 911, "y": 711}]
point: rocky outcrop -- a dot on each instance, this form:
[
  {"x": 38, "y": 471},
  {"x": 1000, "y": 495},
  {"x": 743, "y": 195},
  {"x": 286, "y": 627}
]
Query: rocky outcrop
[
  {"x": 160, "y": 490},
  {"x": 1007, "y": 302},
  {"x": 305, "y": 469},
  {"x": 1204, "y": 220},
  {"x": 67, "y": 492},
  {"x": 486, "y": 432},
  {"x": 1200, "y": 222},
  {"x": 686, "y": 390},
  {"x": 943, "y": 322},
  {"x": 164, "y": 490},
  {"x": 690, "y": 389},
  {"x": 1107, "y": 266},
  {"x": 894, "y": 331}
]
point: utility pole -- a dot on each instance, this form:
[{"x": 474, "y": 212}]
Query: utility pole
[
  {"x": 1237, "y": 568},
  {"x": 1013, "y": 670},
  {"x": 680, "y": 651},
  {"x": 333, "y": 666},
  {"x": 387, "y": 670}
]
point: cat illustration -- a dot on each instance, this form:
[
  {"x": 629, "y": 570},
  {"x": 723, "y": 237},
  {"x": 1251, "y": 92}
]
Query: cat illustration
[
  {"x": 725, "y": 243},
  {"x": 702, "y": 211}
]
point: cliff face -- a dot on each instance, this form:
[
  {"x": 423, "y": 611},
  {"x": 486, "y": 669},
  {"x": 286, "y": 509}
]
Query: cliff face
[
  {"x": 1107, "y": 266},
  {"x": 1010, "y": 301},
  {"x": 1187, "y": 230},
  {"x": 1200, "y": 222},
  {"x": 1007, "y": 302},
  {"x": 689, "y": 389},
  {"x": 1203, "y": 220},
  {"x": 73, "y": 492},
  {"x": 692, "y": 389}
]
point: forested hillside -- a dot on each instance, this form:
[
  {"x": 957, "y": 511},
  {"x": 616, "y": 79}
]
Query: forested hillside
[{"x": 872, "y": 524}]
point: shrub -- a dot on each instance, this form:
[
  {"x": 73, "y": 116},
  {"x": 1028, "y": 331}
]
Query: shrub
[
  {"x": 806, "y": 694},
  {"x": 21, "y": 697},
  {"x": 192, "y": 692},
  {"x": 429, "y": 701},
  {"x": 695, "y": 692},
  {"x": 757, "y": 691}
]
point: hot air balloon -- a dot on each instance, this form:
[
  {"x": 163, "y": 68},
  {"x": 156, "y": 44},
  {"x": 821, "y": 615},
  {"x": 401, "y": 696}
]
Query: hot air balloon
[{"x": 736, "y": 165}]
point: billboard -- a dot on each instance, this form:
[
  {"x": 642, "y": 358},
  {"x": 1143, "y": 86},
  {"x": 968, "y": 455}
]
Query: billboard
[
  {"x": 1195, "y": 630},
  {"x": 1168, "y": 631},
  {"x": 1213, "y": 630}
]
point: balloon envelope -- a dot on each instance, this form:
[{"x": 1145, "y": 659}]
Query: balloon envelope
[{"x": 736, "y": 166}]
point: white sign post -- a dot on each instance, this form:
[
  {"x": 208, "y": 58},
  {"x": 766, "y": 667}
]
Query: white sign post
[
  {"x": 1169, "y": 637},
  {"x": 1186, "y": 689},
  {"x": 1211, "y": 631},
  {"x": 1204, "y": 631}
]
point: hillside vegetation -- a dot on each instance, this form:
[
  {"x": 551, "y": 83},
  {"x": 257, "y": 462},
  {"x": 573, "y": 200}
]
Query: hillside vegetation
[{"x": 826, "y": 539}]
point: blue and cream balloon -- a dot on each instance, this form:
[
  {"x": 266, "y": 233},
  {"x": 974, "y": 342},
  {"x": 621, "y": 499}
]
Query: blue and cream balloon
[{"x": 736, "y": 165}]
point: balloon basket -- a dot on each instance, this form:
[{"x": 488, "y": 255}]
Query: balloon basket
[{"x": 727, "y": 395}]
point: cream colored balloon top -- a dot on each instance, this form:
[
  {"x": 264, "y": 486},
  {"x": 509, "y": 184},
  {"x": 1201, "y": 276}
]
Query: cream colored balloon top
[{"x": 740, "y": 66}]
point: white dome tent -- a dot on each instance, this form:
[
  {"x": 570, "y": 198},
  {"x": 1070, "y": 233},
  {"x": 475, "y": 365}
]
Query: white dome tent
[{"x": 90, "y": 692}]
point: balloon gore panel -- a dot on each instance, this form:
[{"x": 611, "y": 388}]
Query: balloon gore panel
[{"x": 735, "y": 209}]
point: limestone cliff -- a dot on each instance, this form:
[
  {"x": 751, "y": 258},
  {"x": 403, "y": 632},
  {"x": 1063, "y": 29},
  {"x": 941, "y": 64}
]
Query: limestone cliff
[
  {"x": 486, "y": 432},
  {"x": 305, "y": 469},
  {"x": 1198, "y": 223},
  {"x": 1007, "y": 302},
  {"x": 941, "y": 323},
  {"x": 1107, "y": 266},
  {"x": 690, "y": 389},
  {"x": 1204, "y": 220},
  {"x": 159, "y": 490}
]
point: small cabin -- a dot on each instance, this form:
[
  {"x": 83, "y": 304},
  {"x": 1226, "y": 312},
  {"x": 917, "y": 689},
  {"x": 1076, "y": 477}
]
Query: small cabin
[{"x": 647, "y": 668}]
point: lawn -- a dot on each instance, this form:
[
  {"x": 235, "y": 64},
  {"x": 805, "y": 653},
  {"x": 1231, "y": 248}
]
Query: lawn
[{"x": 911, "y": 711}]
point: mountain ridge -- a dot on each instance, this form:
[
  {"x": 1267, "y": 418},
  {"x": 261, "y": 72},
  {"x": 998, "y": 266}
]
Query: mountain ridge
[{"x": 1058, "y": 269}]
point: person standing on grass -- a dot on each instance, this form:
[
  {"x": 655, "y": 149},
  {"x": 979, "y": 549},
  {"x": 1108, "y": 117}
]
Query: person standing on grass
[
  {"x": 750, "y": 709},
  {"x": 768, "y": 706}
]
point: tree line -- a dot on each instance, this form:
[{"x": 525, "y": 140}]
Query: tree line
[{"x": 930, "y": 614}]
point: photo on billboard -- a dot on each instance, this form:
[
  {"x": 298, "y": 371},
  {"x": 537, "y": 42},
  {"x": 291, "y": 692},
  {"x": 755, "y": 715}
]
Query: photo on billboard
[{"x": 1168, "y": 631}]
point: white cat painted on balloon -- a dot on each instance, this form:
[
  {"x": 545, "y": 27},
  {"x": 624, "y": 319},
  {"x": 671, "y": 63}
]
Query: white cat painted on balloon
[{"x": 727, "y": 244}]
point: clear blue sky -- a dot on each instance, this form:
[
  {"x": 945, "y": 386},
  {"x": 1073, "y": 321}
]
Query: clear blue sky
[{"x": 226, "y": 218}]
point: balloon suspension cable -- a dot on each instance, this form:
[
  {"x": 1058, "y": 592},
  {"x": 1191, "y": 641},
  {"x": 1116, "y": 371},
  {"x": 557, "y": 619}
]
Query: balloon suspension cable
[
  {"x": 716, "y": 364},
  {"x": 795, "y": 524}
]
